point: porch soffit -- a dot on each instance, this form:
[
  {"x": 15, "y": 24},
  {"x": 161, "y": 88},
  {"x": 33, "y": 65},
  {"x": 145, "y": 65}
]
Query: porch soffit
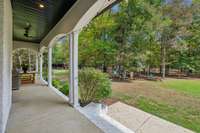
[
  {"x": 81, "y": 13},
  {"x": 33, "y": 19},
  {"x": 29, "y": 45},
  {"x": 72, "y": 16}
]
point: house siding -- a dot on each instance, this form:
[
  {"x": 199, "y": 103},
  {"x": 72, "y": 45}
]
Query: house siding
[{"x": 5, "y": 62}]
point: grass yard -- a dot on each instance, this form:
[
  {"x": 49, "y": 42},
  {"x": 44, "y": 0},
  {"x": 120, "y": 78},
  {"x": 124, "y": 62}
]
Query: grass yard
[
  {"x": 176, "y": 100},
  {"x": 60, "y": 74},
  {"x": 192, "y": 87}
]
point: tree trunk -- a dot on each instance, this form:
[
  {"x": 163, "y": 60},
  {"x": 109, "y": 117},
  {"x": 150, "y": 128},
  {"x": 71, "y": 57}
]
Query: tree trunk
[
  {"x": 149, "y": 70},
  {"x": 163, "y": 59}
]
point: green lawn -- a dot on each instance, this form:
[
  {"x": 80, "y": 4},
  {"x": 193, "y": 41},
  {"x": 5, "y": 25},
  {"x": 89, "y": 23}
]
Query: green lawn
[
  {"x": 60, "y": 74},
  {"x": 191, "y": 87},
  {"x": 186, "y": 117},
  {"x": 176, "y": 100}
]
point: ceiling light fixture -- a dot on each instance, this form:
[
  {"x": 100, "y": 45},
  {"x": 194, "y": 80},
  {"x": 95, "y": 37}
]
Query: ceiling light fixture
[{"x": 41, "y": 5}]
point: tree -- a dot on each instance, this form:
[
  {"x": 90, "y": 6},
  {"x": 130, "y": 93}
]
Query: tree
[
  {"x": 96, "y": 43},
  {"x": 140, "y": 35},
  {"x": 179, "y": 15}
]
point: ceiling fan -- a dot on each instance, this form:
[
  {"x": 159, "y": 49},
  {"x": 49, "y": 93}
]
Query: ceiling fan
[{"x": 27, "y": 30}]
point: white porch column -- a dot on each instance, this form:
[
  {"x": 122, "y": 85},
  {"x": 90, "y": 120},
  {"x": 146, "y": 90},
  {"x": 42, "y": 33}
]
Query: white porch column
[
  {"x": 29, "y": 60},
  {"x": 50, "y": 67},
  {"x": 41, "y": 62},
  {"x": 70, "y": 69},
  {"x": 36, "y": 63},
  {"x": 73, "y": 93}
]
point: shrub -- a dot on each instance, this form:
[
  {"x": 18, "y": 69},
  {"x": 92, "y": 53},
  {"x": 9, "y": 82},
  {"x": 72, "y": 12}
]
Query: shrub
[
  {"x": 62, "y": 86},
  {"x": 65, "y": 89},
  {"x": 57, "y": 84},
  {"x": 93, "y": 85}
]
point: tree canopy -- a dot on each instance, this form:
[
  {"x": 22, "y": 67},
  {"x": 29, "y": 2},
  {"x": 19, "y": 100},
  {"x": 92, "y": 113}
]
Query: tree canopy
[{"x": 143, "y": 34}]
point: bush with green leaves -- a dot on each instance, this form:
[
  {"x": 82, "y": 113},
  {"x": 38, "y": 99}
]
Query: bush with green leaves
[
  {"x": 57, "y": 84},
  {"x": 93, "y": 85},
  {"x": 65, "y": 89},
  {"x": 62, "y": 86}
]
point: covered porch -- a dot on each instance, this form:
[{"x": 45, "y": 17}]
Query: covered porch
[
  {"x": 37, "y": 25},
  {"x": 38, "y": 109}
]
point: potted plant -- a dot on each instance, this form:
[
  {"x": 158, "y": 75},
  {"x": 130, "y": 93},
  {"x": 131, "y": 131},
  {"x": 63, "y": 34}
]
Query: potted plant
[{"x": 25, "y": 67}]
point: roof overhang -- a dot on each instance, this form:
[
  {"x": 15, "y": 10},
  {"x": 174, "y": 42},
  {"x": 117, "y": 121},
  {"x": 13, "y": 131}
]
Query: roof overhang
[
  {"x": 22, "y": 44},
  {"x": 81, "y": 13}
]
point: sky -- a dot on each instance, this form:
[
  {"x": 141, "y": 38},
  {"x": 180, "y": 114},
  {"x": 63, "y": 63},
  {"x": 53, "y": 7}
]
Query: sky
[
  {"x": 116, "y": 7},
  {"x": 185, "y": 1}
]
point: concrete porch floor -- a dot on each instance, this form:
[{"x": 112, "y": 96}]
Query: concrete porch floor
[{"x": 37, "y": 109}]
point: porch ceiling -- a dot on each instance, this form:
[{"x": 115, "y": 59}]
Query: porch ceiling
[{"x": 33, "y": 19}]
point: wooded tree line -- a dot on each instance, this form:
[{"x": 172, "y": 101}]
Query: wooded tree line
[
  {"x": 138, "y": 35},
  {"x": 144, "y": 34}
]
